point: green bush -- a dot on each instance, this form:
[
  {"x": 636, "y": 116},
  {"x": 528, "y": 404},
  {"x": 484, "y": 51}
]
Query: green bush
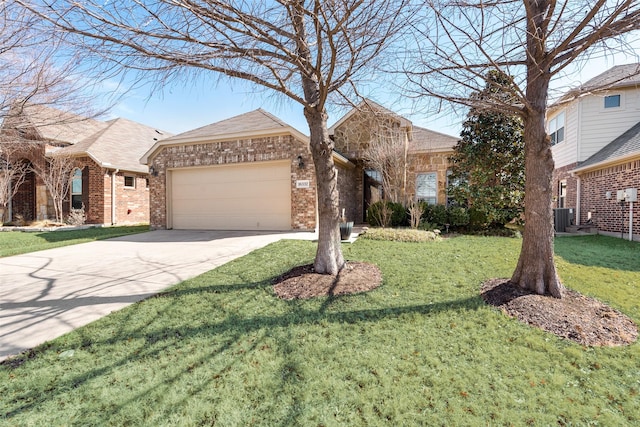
[
  {"x": 394, "y": 214},
  {"x": 458, "y": 216},
  {"x": 435, "y": 214},
  {"x": 478, "y": 219}
]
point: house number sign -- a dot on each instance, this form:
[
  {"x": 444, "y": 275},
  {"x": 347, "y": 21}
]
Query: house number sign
[{"x": 302, "y": 183}]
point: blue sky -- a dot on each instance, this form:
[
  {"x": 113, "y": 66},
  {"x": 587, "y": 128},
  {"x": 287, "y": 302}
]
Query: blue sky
[{"x": 180, "y": 107}]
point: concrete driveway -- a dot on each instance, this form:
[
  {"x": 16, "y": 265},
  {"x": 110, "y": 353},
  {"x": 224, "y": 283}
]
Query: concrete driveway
[{"x": 46, "y": 294}]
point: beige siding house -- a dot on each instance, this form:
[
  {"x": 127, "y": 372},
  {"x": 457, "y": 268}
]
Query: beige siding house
[{"x": 584, "y": 126}]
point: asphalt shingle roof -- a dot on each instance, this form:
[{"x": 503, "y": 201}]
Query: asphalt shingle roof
[
  {"x": 618, "y": 76},
  {"x": 117, "y": 143},
  {"x": 625, "y": 144},
  {"x": 120, "y": 145},
  {"x": 59, "y": 126},
  {"x": 427, "y": 140},
  {"x": 254, "y": 121}
]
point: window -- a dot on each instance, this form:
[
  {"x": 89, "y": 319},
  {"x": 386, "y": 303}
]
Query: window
[
  {"x": 76, "y": 189},
  {"x": 129, "y": 181},
  {"x": 427, "y": 188},
  {"x": 612, "y": 101},
  {"x": 562, "y": 194},
  {"x": 556, "y": 129},
  {"x": 374, "y": 174}
]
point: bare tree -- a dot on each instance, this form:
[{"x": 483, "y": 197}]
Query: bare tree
[
  {"x": 305, "y": 50},
  {"x": 56, "y": 173},
  {"x": 536, "y": 40},
  {"x": 387, "y": 154},
  {"x": 33, "y": 70},
  {"x": 13, "y": 173}
]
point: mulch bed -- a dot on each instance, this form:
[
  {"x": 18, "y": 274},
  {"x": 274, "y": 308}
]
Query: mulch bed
[
  {"x": 575, "y": 317},
  {"x": 303, "y": 282}
]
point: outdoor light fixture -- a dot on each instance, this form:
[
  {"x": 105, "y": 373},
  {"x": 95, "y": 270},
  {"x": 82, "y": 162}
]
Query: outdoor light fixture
[
  {"x": 300, "y": 162},
  {"x": 153, "y": 171}
]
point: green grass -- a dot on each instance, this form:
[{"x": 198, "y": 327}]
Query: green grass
[
  {"x": 16, "y": 242},
  {"x": 423, "y": 349}
]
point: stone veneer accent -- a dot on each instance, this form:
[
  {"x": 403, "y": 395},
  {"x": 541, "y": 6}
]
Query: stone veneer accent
[
  {"x": 249, "y": 150},
  {"x": 350, "y": 187},
  {"x": 425, "y": 162},
  {"x": 607, "y": 213},
  {"x": 352, "y": 139}
]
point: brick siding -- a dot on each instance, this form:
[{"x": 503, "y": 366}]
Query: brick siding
[
  {"x": 285, "y": 147},
  {"x": 608, "y": 214},
  {"x": 132, "y": 204},
  {"x": 564, "y": 174}
]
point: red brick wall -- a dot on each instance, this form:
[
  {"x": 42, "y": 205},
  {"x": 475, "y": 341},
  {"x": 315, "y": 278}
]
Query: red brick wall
[
  {"x": 564, "y": 174},
  {"x": 132, "y": 205},
  {"x": 94, "y": 209},
  {"x": 285, "y": 147},
  {"x": 607, "y": 213}
]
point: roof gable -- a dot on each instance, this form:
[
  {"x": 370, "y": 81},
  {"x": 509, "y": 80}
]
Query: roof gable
[
  {"x": 618, "y": 77},
  {"x": 55, "y": 125},
  {"x": 120, "y": 145},
  {"x": 369, "y": 106},
  {"x": 252, "y": 122},
  {"x": 255, "y": 123}
]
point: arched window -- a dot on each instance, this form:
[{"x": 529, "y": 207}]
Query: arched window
[{"x": 76, "y": 189}]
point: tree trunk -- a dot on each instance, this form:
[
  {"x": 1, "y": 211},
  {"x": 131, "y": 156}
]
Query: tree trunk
[
  {"x": 329, "y": 259},
  {"x": 536, "y": 269}
]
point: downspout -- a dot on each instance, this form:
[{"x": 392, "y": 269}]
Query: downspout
[
  {"x": 9, "y": 213},
  {"x": 578, "y": 193},
  {"x": 113, "y": 196},
  {"x": 631, "y": 221}
]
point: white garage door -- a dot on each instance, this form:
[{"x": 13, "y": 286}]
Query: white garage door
[{"x": 252, "y": 196}]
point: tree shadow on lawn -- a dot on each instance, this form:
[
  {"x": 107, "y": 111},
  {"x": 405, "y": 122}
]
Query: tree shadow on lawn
[{"x": 231, "y": 331}]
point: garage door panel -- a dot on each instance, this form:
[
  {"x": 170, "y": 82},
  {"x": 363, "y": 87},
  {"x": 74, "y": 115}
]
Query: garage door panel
[{"x": 254, "y": 196}]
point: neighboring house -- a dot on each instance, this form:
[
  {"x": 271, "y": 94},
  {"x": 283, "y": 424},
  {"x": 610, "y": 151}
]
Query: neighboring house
[
  {"x": 108, "y": 182},
  {"x": 427, "y": 156},
  {"x": 255, "y": 172},
  {"x": 593, "y": 131}
]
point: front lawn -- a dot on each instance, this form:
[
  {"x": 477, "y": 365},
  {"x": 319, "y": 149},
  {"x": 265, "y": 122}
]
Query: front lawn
[
  {"x": 22, "y": 242},
  {"x": 422, "y": 349}
]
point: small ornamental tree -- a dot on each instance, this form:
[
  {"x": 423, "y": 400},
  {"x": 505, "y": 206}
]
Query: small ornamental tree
[
  {"x": 12, "y": 175},
  {"x": 56, "y": 175},
  {"x": 488, "y": 161}
]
